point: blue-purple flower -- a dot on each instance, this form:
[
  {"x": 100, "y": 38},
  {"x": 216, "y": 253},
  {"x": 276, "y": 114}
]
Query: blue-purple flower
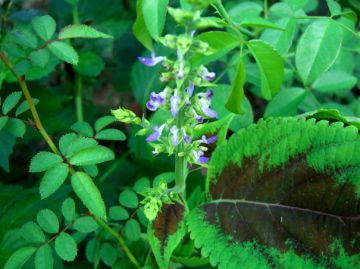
[
  {"x": 156, "y": 100},
  {"x": 152, "y": 61},
  {"x": 190, "y": 89},
  {"x": 205, "y": 105},
  {"x": 174, "y": 135},
  {"x": 174, "y": 103},
  {"x": 209, "y": 140},
  {"x": 156, "y": 134},
  {"x": 187, "y": 138},
  {"x": 206, "y": 75},
  {"x": 199, "y": 156}
]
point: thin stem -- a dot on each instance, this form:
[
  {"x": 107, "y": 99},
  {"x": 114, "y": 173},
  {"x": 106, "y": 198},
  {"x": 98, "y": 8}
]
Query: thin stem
[
  {"x": 120, "y": 240},
  {"x": 180, "y": 161},
  {"x": 78, "y": 97}
]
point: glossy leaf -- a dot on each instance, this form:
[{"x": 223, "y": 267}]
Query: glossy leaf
[
  {"x": 19, "y": 257},
  {"x": 64, "y": 52},
  {"x": 48, "y": 221},
  {"x": 154, "y": 14},
  {"x": 44, "y": 258},
  {"x": 317, "y": 49},
  {"x": 43, "y": 161},
  {"x": 53, "y": 179},
  {"x": 81, "y": 31},
  {"x": 65, "y": 247},
  {"x": 44, "y": 26}
]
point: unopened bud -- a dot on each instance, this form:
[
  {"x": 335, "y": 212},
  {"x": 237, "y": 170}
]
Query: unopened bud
[{"x": 126, "y": 116}]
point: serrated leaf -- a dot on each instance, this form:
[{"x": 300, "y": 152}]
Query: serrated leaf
[
  {"x": 81, "y": 31},
  {"x": 92, "y": 155},
  {"x": 48, "y": 221},
  {"x": 11, "y": 101},
  {"x": 65, "y": 142},
  {"x": 129, "y": 199},
  {"x": 40, "y": 58},
  {"x": 32, "y": 233},
  {"x": 52, "y": 180},
  {"x": 85, "y": 225},
  {"x": 166, "y": 232},
  {"x": 83, "y": 128},
  {"x": 64, "y": 52},
  {"x": 233, "y": 103},
  {"x": 102, "y": 122},
  {"x": 65, "y": 247},
  {"x": 110, "y": 134},
  {"x": 79, "y": 144},
  {"x": 3, "y": 121},
  {"x": 19, "y": 258},
  {"x": 44, "y": 160},
  {"x": 154, "y": 14},
  {"x": 271, "y": 67},
  {"x": 44, "y": 258},
  {"x": 44, "y": 26},
  {"x": 108, "y": 254},
  {"x": 132, "y": 230},
  {"x": 16, "y": 127},
  {"x": 118, "y": 213},
  {"x": 88, "y": 193},
  {"x": 24, "y": 106},
  {"x": 68, "y": 209},
  {"x": 139, "y": 28},
  {"x": 318, "y": 49}
]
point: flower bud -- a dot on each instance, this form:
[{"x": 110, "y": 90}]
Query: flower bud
[
  {"x": 208, "y": 22},
  {"x": 184, "y": 42},
  {"x": 126, "y": 116},
  {"x": 169, "y": 41},
  {"x": 181, "y": 16}
]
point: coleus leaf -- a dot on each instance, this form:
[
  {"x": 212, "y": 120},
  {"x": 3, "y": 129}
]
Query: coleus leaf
[
  {"x": 285, "y": 192},
  {"x": 166, "y": 232}
]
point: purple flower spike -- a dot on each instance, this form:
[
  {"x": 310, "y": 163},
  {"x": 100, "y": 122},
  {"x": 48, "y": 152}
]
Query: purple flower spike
[
  {"x": 154, "y": 60},
  {"x": 156, "y": 100},
  {"x": 199, "y": 157},
  {"x": 209, "y": 140},
  {"x": 199, "y": 119},
  {"x": 190, "y": 89},
  {"x": 186, "y": 137},
  {"x": 203, "y": 160},
  {"x": 206, "y": 75},
  {"x": 175, "y": 136},
  {"x": 156, "y": 134},
  {"x": 209, "y": 112},
  {"x": 209, "y": 94},
  {"x": 174, "y": 104}
]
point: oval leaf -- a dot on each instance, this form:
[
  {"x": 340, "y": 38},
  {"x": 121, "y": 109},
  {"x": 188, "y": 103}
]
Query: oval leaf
[
  {"x": 65, "y": 247},
  {"x": 48, "y": 221},
  {"x": 44, "y": 258},
  {"x": 92, "y": 155},
  {"x": 19, "y": 258},
  {"x": 53, "y": 179},
  {"x": 64, "y": 52},
  {"x": 81, "y": 31}
]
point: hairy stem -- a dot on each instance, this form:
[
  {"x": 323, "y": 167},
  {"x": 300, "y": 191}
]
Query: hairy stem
[{"x": 180, "y": 161}]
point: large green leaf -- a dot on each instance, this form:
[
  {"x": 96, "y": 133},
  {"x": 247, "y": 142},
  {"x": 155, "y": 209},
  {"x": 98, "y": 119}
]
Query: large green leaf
[
  {"x": 317, "y": 49},
  {"x": 284, "y": 193},
  {"x": 154, "y": 14},
  {"x": 334, "y": 81},
  {"x": 233, "y": 104},
  {"x": 271, "y": 67},
  {"x": 139, "y": 28},
  {"x": 92, "y": 155},
  {"x": 19, "y": 258}
]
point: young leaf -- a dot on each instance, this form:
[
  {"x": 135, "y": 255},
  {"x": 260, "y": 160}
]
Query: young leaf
[
  {"x": 64, "y": 52},
  {"x": 16, "y": 127},
  {"x": 271, "y": 67},
  {"x": 83, "y": 128},
  {"x": 166, "y": 232},
  {"x": 318, "y": 49},
  {"x": 111, "y": 134},
  {"x": 43, "y": 161},
  {"x": 65, "y": 247},
  {"x": 10, "y": 102},
  {"x": 81, "y": 31},
  {"x": 129, "y": 199},
  {"x": 53, "y": 179},
  {"x": 139, "y": 28},
  {"x": 118, "y": 213},
  {"x": 92, "y": 155},
  {"x": 24, "y": 106},
  {"x": 102, "y": 122},
  {"x": 233, "y": 104},
  {"x": 19, "y": 258},
  {"x": 32, "y": 233},
  {"x": 48, "y": 221},
  {"x": 44, "y": 26},
  {"x": 88, "y": 193},
  {"x": 68, "y": 209},
  {"x": 44, "y": 258},
  {"x": 154, "y": 14},
  {"x": 85, "y": 225},
  {"x": 132, "y": 230}
]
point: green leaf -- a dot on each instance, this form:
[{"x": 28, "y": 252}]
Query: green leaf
[
  {"x": 44, "y": 160},
  {"x": 271, "y": 67},
  {"x": 40, "y": 58},
  {"x": 24, "y": 106},
  {"x": 91, "y": 170},
  {"x": 166, "y": 232},
  {"x": 154, "y": 14},
  {"x": 64, "y": 52},
  {"x": 44, "y": 258},
  {"x": 139, "y": 28},
  {"x": 88, "y": 193},
  {"x": 7, "y": 142},
  {"x": 32, "y": 233},
  {"x": 334, "y": 81},
  {"x": 52, "y": 180},
  {"x": 259, "y": 22},
  {"x": 79, "y": 144},
  {"x": 334, "y": 7},
  {"x": 90, "y": 64},
  {"x": 129, "y": 199},
  {"x": 102, "y": 122},
  {"x": 83, "y": 128},
  {"x": 317, "y": 49},
  {"x": 48, "y": 221},
  {"x": 10, "y": 102},
  {"x": 65, "y": 247},
  {"x": 25, "y": 38},
  {"x": 233, "y": 104},
  {"x": 68, "y": 209},
  {"x": 285, "y": 103},
  {"x": 85, "y": 225},
  {"x": 132, "y": 230},
  {"x": 118, "y": 213},
  {"x": 142, "y": 184},
  {"x": 81, "y": 31},
  {"x": 168, "y": 177},
  {"x": 44, "y": 26},
  {"x": 92, "y": 155},
  {"x": 111, "y": 134},
  {"x": 3, "y": 121},
  {"x": 16, "y": 127},
  {"x": 65, "y": 142},
  {"x": 281, "y": 40},
  {"x": 108, "y": 254},
  {"x": 297, "y": 4},
  {"x": 19, "y": 258}
]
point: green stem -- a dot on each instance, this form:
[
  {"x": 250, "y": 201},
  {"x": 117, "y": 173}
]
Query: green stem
[
  {"x": 180, "y": 161},
  {"x": 78, "y": 97},
  {"x": 120, "y": 240},
  {"x": 265, "y": 9}
]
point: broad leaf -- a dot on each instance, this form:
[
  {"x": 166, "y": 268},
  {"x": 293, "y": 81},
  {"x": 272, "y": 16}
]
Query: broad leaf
[
  {"x": 271, "y": 67},
  {"x": 81, "y": 31},
  {"x": 48, "y": 221},
  {"x": 83, "y": 128},
  {"x": 44, "y": 258},
  {"x": 278, "y": 201},
  {"x": 43, "y": 161},
  {"x": 92, "y": 155},
  {"x": 111, "y": 134},
  {"x": 118, "y": 213},
  {"x": 166, "y": 232},
  {"x": 88, "y": 193},
  {"x": 102, "y": 122},
  {"x": 233, "y": 104},
  {"x": 19, "y": 258},
  {"x": 154, "y": 14},
  {"x": 53, "y": 179},
  {"x": 139, "y": 28},
  {"x": 32, "y": 233},
  {"x": 317, "y": 49},
  {"x": 77, "y": 144},
  {"x": 10, "y": 102},
  {"x": 132, "y": 230},
  {"x": 334, "y": 81},
  {"x": 129, "y": 199},
  {"x": 334, "y": 7},
  {"x": 65, "y": 247},
  {"x": 85, "y": 225},
  {"x": 16, "y": 127},
  {"x": 64, "y": 52},
  {"x": 259, "y": 22},
  {"x": 44, "y": 26}
]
